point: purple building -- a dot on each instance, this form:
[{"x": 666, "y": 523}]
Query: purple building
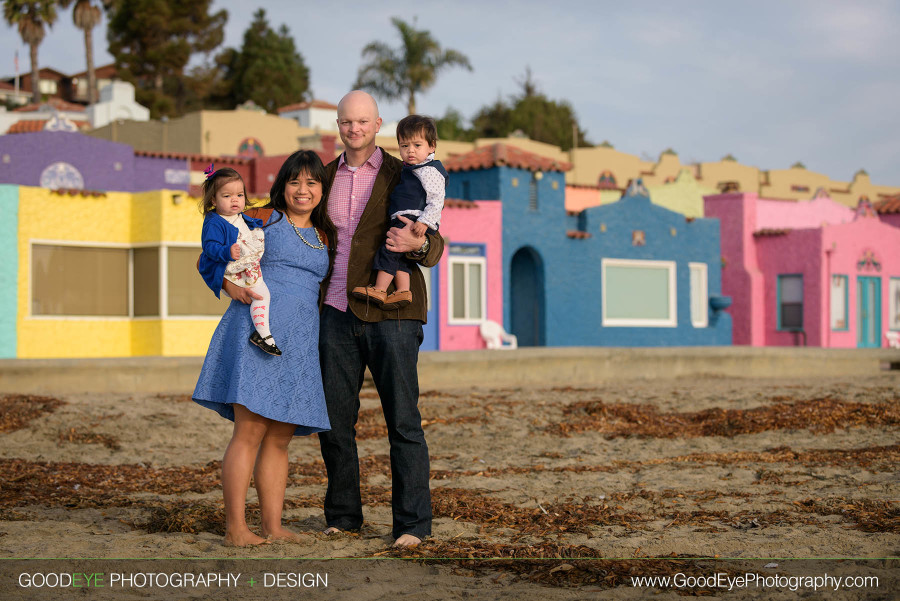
[{"x": 63, "y": 160}]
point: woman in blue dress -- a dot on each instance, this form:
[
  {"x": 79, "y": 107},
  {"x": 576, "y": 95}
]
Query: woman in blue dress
[{"x": 270, "y": 398}]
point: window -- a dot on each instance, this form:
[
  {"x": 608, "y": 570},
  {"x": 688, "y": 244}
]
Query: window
[
  {"x": 533, "y": 193},
  {"x": 467, "y": 284},
  {"x": 426, "y": 273},
  {"x": 47, "y": 86},
  {"x": 79, "y": 280},
  {"x": 894, "y": 304},
  {"x": 790, "y": 302},
  {"x": 699, "y": 295},
  {"x": 638, "y": 293},
  {"x": 86, "y": 281},
  {"x": 186, "y": 292},
  {"x": 839, "y": 294},
  {"x": 146, "y": 282}
]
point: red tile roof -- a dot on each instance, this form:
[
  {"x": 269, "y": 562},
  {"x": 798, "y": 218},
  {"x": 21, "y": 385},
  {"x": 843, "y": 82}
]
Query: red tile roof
[
  {"x": 74, "y": 191},
  {"x": 31, "y": 125},
  {"x": 501, "y": 154},
  {"x": 58, "y": 104},
  {"x": 299, "y": 106},
  {"x": 771, "y": 232},
  {"x": 453, "y": 203},
  {"x": 890, "y": 204},
  {"x": 191, "y": 157}
]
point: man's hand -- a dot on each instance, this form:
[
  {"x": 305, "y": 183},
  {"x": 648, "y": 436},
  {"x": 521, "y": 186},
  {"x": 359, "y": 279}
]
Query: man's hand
[
  {"x": 235, "y": 251},
  {"x": 404, "y": 240},
  {"x": 244, "y": 295}
]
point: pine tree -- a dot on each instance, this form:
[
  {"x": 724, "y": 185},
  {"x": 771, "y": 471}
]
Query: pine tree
[
  {"x": 267, "y": 69},
  {"x": 152, "y": 42}
]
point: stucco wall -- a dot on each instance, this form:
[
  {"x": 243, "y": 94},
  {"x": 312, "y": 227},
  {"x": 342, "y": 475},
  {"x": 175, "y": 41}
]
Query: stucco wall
[
  {"x": 9, "y": 256},
  {"x": 571, "y": 267},
  {"x": 684, "y": 195},
  {"x": 104, "y": 219},
  {"x": 481, "y": 225},
  {"x": 848, "y": 243},
  {"x": 797, "y": 252},
  {"x": 776, "y": 214},
  {"x": 102, "y": 165}
]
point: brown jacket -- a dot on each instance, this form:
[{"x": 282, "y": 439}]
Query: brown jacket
[{"x": 369, "y": 237}]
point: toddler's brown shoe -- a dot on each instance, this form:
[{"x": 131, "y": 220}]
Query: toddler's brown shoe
[
  {"x": 372, "y": 293},
  {"x": 396, "y": 300}
]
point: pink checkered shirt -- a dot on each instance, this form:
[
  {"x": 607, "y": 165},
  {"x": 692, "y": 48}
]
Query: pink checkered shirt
[{"x": 347, "y": 200}]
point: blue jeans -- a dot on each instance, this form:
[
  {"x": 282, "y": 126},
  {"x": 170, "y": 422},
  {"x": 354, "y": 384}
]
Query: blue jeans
[{"x": 390, "y": 349}]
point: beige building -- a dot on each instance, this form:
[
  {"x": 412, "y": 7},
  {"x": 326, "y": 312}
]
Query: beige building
[{"x": 214, "y": 133}]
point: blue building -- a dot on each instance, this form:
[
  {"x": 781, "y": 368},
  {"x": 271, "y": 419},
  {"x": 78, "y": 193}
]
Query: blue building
[{"x": 629, "y": 273}]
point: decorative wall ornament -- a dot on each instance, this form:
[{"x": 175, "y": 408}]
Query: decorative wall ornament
[
  {"x": 59, "y": 123},
  {"x": 250, "y": 148},
  {"x": 637, "y": 188},
  {"x": 607, "y": 181},
  {"x": 61, "y": 175},
  {"x": 868, "y": 261},
  {"x": 638, "y": 238},
  {"x": 864, "y": 209}
]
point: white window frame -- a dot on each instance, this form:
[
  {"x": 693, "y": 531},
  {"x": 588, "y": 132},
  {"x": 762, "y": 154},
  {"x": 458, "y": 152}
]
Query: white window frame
[
  {"x": 703, "y": 268},
  {"x": 79, "y": 244},
  {"x": 163, "y": 281},
  {"x": 466, "y": 261},
  {"x": 616, "y": 322}
]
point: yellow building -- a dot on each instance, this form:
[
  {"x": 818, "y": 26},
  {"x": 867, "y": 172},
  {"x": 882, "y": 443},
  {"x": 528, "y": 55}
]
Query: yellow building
[{"x": 110, "y": 275}]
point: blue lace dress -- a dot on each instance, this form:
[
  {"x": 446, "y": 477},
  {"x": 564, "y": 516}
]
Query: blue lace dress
[{"x": 287, "y": 388}]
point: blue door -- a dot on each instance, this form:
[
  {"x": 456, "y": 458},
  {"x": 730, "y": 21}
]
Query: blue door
[
  {"x": 868, "y": 310},
  {"x": 527, "y": 297},
  {"x": 431, "y": 341}
]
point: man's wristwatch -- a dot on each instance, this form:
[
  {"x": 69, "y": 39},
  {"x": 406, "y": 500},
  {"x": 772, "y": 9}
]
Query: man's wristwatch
[{"x": 423, "y": 250}]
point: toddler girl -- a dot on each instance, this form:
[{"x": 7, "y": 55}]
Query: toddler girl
[{"x": 233, "y": 245}]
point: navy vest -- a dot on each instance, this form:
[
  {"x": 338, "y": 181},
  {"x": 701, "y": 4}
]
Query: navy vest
[{"x": 409, "y": 195}]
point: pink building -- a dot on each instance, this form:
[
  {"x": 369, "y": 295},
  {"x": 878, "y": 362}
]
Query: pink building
[
  {"x": 467, "y": 284},
  {"x": 811, "y": 272}
]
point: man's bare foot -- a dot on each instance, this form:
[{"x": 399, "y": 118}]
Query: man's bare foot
[
  {"x": 283, "y": 534},
  {"x": 407, "y": 540},
  {"x": 331, "y": 530},
  {"x": 243, "y": 539}
]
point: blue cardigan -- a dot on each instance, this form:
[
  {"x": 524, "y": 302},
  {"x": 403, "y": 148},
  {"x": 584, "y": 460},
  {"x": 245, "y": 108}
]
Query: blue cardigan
[{"x": 217, "y": 238}]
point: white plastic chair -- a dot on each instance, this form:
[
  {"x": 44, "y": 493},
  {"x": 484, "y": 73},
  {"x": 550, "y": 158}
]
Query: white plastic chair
[
  {"x": 495, "y": 337},
  {"x": 893, "y": 339}
]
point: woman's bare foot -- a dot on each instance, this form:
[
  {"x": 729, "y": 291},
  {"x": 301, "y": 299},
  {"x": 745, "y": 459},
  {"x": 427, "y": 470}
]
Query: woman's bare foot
[
  {"x": 283, "y": 534},
  {"x": 407, "y": 540},
  {"x": 243, "y": 539}
]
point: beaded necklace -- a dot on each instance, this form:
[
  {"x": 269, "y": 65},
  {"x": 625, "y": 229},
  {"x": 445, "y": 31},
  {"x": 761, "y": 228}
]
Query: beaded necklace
[{"x": 318, "y": 237}]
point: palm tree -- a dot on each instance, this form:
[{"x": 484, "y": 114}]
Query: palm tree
[
  {"x": 31, "y": 17},
  {"x": 401, "y": 73},
  {"x": 86, "y": 16}
]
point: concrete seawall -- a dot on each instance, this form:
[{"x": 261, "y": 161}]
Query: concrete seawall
[{"x": 531, "y": 367}]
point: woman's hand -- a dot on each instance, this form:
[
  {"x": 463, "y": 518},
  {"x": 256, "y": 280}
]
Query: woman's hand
[
  {"x": 404, "y": 240},
  {"x": 243, "y": 295}
]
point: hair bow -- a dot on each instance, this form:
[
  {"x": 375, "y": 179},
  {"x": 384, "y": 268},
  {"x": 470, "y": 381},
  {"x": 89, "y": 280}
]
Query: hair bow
[{"x": 209, "y": 171}]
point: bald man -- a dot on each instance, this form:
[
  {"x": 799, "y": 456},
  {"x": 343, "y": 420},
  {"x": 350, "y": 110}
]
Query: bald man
[{"x": 354, "y": 334}]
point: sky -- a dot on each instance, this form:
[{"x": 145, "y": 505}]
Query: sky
[{"x": 770, "y": 82}]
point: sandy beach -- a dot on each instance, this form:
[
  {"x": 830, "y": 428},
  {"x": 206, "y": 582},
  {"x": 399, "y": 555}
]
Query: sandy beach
[{"x": 538, "y": 493}]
